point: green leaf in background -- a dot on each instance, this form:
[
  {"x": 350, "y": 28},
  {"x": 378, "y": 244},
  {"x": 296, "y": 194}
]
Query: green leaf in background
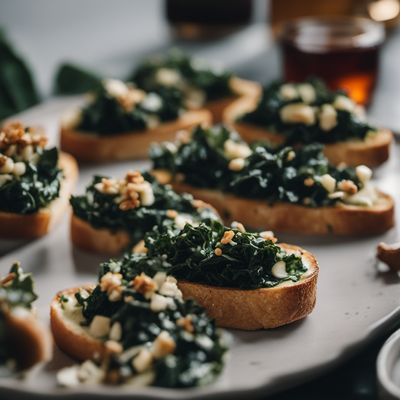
[
  {"x": 71, "y": 79},
  {"x": 17, "y": 88}
]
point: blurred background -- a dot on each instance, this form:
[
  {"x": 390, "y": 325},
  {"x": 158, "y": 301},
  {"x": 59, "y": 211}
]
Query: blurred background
[{"x": 109, "y": 38}]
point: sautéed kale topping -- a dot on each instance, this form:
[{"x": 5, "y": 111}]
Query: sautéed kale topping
[
  {"x": 117, "y": 107},
  {"x": 194, "y": 79},
  {"x": 208, "y": 160},
  {"x": 103, "y": 210},
  {"x": 332, "y": 115},
  {"x": 29, "y": 175},
  {"x": 244, "y": 262}
]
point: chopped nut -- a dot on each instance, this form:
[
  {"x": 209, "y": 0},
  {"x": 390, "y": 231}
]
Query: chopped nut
[
  {"x": 142, "y": 361},
  {"x": 144, "y": 285},
  {"x": 298, "y": 113},
  {"x": 186, "y": 323},
  {"x": 291, "y": 155},
  {"x": 327, "y": 117},
  {"x": 134, "y": 177},
  {"x": 218, "y": 252},
  {"x": 116, "y": 332},
  {"x": 163, "y": 345},
  {"x": 128, "y": 205},
  {"x": 268, "y": 235},
  {"x": 6, "y": 165},
  {"x": 172, "y": 214},
  {"x": 139, "y": 247},
  {"x": 159, "y": 303},
  {"x": 239, "y": 226},
  {"x": 288, "y": 91},
  {"x": 279, "y": 270},
  {"x": 113, "y": 347},
  {"x": 228, "y": 236},
  {"x": 111, "y": 284},
  {"x": 100, "y": 326},
  {"x": 328, "y": 182},
  {"x": 309, "y": 182},
  {"x": 363, "y": 173},
  {"x": 234, "y": 149},
  {"x": 348, "y": 186},
  {"x": 390, "y": 255}
]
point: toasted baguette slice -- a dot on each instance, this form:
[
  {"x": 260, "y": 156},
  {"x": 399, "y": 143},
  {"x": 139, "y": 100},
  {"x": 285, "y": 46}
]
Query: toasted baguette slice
[
  {"x": 72, "y": 338},
  {"x": 260, "y": 308},
  {"x": 240, "y": 87},
  {"x": 372, "y": 151},
  {"x": 31, "y": 342},
  {"x": 30, "y": 226},
  {"x": 101, "y": 241},
  {"x": 341, "y": 220},
  {"x": 91, "y": 147}
]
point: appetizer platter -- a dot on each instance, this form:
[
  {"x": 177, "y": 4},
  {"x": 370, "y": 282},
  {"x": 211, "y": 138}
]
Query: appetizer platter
[{"x": 294, "y": 305}]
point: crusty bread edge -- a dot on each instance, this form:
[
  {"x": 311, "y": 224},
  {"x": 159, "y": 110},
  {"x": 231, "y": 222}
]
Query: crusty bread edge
[
  {"x": 35, "y": 225},
  {"x": 98, "y": 240},
  {"x": 31, "y": 340},
  {"x": 70, "y": 337},
  {"x": 264, "y": 308},
  {"x": 91, "y": 147},
  {"x": 373, "y": 151},
  {"x": 343, "y": 220}
]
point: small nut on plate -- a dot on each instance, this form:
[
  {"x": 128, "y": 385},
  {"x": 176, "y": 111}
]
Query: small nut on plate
[{"x": 389, "y": 254}]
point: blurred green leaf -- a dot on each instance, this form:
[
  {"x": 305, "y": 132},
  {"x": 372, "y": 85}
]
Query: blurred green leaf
[{"x": 17, "y": 88}]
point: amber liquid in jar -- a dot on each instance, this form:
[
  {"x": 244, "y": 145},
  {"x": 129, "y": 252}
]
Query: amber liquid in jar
[{"x": 344, "y": 52}]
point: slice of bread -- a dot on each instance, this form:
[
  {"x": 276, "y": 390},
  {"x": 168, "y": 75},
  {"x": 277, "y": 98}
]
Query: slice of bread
[
  {"x": 72, "y": 338},
  {"x": 101, "y": 241},
  {"x": 31, "y": 342},
  {"x": 372, "y": 151},
  {"x": 240, "y": 87},
  {"x": 342, "y": 220},
  {"x": 259, "y": 308},
  {"x": 91, "y": 147},
  {"x": 30, "y": 226}
]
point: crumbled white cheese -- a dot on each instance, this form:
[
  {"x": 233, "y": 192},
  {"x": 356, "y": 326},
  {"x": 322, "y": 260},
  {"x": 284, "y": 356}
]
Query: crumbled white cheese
[
  {"x": 363, "y": 173},
  {"x": 152, "y": 102},
  {"x": 182, "y": 219},
  {"x": 143, "y": 360},
  {"x": 204, "y": 341},
  {"x": 19, "y": 168},
  {"x": 234, "y": 150},
  {"x": 146, "y": 194},
  {"x": 344, "y": 103},
  {"x": 298, "y": 113},
  {"x": 100, "y": 326},
  {"x": 367, "y": 197},
  {"x": 327, "y": 117},
  {"x": 115, "y": 88},
  {"x": 170, "y": 288},
  {"x": 307, "y": 92},
  {"x": 159, "y": 303},
  {"x": 328, "y": 182},
  {"x": 236, "y": 164},
  {"x": 279, "y": 270},
  {"x": 168, "y": 77},
  {"x": 159, "y": 278},
  {"x": 288, "y": 92}
]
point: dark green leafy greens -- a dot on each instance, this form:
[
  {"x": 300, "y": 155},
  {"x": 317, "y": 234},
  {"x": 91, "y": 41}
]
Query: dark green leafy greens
[
  {"x": 101, "y": 211},
  {"x": 38, "y": 187},
  {"x": 272, "y": 174},
  {"x": 192, "y": 362},
  {"x": 105, "y": 114},
  {"x": 245, "y": 264},
  {"x": 17, "y": 89},
  {"x": 267, "y": 114},
  {"x": 194, "y": 74}
]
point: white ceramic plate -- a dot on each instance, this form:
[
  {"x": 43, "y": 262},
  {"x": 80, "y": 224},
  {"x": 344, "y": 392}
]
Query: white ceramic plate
[{"x": 356, "y": 300}]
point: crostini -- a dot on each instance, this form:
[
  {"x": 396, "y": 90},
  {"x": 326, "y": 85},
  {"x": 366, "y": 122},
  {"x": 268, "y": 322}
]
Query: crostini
[
  {"x": 285, "y": 190},
  {"x": 303, "y": 113},
  {"x": 135, "y": 331},
  {"x": 35, "y": 182},
  {"x": 24, "y": 342},
  {"x": 201, "y": 85},
  {"x": 114, "y": 214},
  {"x": 120, "y": 121}
]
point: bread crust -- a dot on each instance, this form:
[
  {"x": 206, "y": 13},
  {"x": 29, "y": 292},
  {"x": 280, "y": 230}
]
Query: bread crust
[
  {"x": 240, "y": 87},
  {"x": 30, "y": 340},
  {"x": 98, "y": 240},
  {"x": 264, "y": 308},
  {"x": 91, "y": 147},
  {"x": 341, "y": 220},
  {"x": 70, "y": 337},
  {"x": 31, "y": 226},
  {"x": 373, "y": 151}
]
